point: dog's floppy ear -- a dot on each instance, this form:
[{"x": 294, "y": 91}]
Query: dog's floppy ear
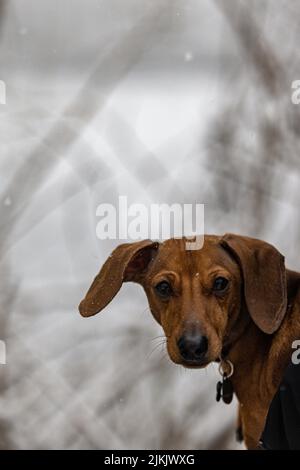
[
  {"x": 126, "y": 263},
  {"x": 264, "y": 274}
]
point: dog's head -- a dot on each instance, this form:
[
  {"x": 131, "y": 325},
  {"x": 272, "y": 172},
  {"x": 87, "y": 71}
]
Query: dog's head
[{"x": 197, "y": 296}]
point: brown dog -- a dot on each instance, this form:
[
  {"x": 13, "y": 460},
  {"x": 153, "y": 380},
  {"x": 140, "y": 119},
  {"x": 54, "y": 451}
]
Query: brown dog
[{"x": 233, "y": 300}]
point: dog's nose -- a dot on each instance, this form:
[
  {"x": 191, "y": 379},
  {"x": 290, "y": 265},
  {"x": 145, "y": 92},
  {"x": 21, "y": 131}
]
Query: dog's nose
[{"x": 192, "y": 347}]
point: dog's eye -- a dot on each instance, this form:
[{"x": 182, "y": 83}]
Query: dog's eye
[
  {"x": 163, "y": 289},
  {"x": 220, "y": 284}
]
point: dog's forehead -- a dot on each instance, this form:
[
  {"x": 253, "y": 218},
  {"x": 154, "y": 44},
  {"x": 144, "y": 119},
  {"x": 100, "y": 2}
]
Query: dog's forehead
[{"x": 173, "y": 255}]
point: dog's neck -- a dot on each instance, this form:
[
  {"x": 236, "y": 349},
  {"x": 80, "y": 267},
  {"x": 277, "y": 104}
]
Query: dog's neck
[
  {"x": 260, "y": 359},
  {"x": 236, "y": 330}
]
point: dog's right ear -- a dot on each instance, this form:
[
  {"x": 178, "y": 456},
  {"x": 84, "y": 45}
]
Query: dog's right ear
[{"x": 126, "y": 263}]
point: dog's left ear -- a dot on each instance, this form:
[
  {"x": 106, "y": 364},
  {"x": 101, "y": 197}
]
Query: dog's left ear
[
  {"x": 264, "y": 274},
  {"x": 128, "y": 262}
]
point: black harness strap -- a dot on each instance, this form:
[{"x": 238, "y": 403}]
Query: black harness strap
[{"x": 282, "y": 429}]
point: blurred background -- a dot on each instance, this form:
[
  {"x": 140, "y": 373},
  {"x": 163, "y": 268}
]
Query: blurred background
[{"x": 166, "y": 101}]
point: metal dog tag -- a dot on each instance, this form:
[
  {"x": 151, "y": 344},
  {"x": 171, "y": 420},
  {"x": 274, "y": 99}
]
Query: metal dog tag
[
  {"x": 219, "y": 391},
  {"x": 227, "y": 390}
]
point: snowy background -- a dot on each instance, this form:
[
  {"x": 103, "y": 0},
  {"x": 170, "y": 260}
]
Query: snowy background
[{"x": 166, "y": 101}]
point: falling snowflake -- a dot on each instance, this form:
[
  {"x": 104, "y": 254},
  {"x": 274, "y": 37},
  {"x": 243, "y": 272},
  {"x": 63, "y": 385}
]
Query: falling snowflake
[
  {"x": 188, "y": 56},
  {"x": 23, "y": 31},
  {"x": 7, "y": 201}
]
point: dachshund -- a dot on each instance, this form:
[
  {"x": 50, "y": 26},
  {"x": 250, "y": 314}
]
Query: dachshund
[{"x": 232, "y": 301}]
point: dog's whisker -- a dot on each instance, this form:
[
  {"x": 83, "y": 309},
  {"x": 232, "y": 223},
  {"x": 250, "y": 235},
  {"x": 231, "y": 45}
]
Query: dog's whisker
[
  {"x": 162, "y": 343},
  {"x": 163, "y": 357},
  {"x": 158, "y": 337}
]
